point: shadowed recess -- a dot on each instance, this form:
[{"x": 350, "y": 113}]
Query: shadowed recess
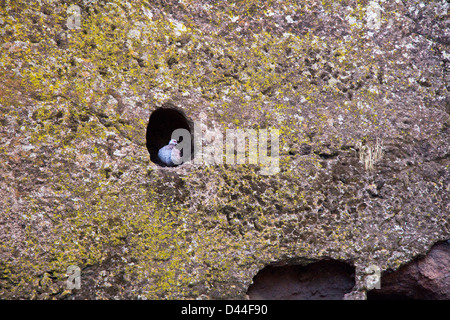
[
  {"x": 163, "y": 121},
  {"x": 426, "y": 278},
  {"x": 323, "y": 280}
]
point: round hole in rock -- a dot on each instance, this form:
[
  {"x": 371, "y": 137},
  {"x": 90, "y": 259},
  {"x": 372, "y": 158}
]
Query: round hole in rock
[
  {"x": 162, "y": 123},
  {"x": 322, "y": 280}
]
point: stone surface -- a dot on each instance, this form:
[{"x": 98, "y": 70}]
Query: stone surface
[{"x": 358, "y": 89}]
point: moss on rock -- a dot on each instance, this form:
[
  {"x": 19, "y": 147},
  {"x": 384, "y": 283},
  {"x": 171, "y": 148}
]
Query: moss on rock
[{"x": 77, "y": 186}]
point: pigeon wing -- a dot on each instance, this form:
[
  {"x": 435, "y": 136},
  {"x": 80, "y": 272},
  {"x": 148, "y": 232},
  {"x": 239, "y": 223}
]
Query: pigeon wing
[
  {"x": 176, "y": 156},
  {"x": 165, "y": 155}
]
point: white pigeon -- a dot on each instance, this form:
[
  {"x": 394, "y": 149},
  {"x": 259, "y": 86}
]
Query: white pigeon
[{"x": 170, "y": 155}]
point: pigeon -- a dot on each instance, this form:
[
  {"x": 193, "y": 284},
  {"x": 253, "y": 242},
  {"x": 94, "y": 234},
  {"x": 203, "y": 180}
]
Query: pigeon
[{"x": 170, "y": 155}]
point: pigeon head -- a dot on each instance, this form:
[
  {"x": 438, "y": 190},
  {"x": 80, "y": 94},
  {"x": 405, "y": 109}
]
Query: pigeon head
[{"x": 173, "y": 141}]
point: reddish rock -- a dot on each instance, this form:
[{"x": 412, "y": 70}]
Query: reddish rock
[{"x": 424, "y": 278}]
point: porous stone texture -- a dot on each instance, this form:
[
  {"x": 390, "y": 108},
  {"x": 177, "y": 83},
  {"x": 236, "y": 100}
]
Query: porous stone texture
[{"x": 359, "y": 91}]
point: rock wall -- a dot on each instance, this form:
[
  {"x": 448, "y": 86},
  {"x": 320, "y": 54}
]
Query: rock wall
[{"x": 359, "y": 91}]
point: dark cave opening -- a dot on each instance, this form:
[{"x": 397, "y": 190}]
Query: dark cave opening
[
  {"x": 322, "y": 280},
  {"x": 425, "y": 278},
  {"x": 162, "y": 123}
]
